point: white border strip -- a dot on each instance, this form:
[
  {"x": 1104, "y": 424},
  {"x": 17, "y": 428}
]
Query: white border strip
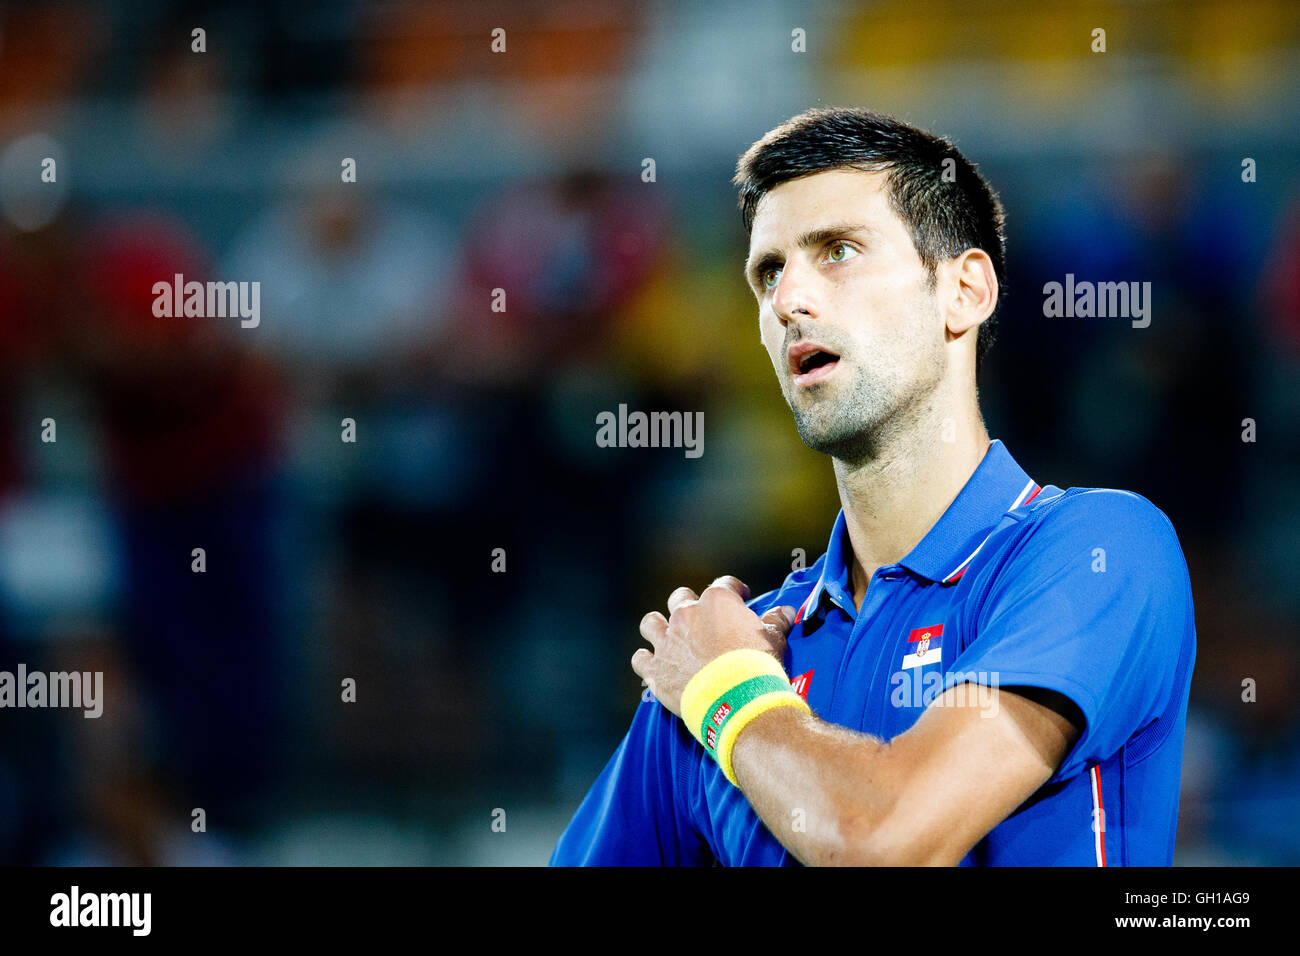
[{"x": 1098, "y": 822}]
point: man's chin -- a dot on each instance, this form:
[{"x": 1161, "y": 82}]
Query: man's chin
[
  {"x": 831, "y": 434},
  {"x": 824, "y": 438}
]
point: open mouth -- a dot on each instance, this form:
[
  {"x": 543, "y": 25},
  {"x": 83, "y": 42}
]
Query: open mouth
[{"x": 810, "y": 364}]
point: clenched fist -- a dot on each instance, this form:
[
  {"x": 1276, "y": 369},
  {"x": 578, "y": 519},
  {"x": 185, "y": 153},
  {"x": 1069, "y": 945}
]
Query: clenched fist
[{"x": 701, "y": 628}]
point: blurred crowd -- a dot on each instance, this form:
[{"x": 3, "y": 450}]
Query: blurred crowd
[{"x": 472, "y": 559}]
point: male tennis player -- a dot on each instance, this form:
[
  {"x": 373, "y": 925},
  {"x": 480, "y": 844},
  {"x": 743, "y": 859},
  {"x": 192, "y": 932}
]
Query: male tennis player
[{"x": 979, "y": 670}]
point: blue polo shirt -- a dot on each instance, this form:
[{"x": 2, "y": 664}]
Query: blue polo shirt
[{"x": 1084, "y": 592}]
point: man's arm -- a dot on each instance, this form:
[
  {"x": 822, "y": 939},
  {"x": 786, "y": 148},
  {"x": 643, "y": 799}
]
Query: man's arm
[
  {"x": 633, "y": 814},
  {"x": 924, "y": 798},
  {"x": 1111, "y": 652}
]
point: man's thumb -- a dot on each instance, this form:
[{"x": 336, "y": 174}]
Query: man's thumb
[{"x": 779, "y": 619}]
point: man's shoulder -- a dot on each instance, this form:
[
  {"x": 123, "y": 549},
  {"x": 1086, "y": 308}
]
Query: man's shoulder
[
  {"x": 1096, "y": 512},
  {"x": 1102, "y": 529}
]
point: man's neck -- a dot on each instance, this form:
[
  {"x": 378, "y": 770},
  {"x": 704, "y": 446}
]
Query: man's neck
[{"x": 893, "y": 499}]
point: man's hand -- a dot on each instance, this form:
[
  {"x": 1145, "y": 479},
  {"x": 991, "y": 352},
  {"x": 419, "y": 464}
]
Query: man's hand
[
  {"x": 699, "y": 629},
  {"x": 925, "y": 797}
]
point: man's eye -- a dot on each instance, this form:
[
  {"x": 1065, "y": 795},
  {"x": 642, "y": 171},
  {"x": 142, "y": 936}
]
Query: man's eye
[
  {"x": 841, "y": 247},
  {"x": 769, "y": 278}
]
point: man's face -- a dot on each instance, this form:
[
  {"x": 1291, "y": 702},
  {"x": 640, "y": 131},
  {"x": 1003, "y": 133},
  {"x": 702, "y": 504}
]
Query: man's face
[{"x": 845, "y": 309}]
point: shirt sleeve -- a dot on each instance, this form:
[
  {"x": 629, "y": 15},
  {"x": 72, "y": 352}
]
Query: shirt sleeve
[
  {"x": 632, "y": 816},
  {"x": 1093, "y": 602}
]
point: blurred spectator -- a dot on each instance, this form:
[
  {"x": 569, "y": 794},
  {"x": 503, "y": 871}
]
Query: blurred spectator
[{"x": 190, "y": 418}]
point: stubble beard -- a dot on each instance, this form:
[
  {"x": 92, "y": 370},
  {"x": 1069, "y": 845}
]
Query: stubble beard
[
  {"x": 853, "y": 420},
  {"x": 848, "y": 427}
]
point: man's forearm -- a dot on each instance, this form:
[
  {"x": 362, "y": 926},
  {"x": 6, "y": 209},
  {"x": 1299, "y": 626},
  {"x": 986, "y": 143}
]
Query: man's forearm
[
  {"x": 822, "y": 789},
  {"x": 834, "y": 796}
]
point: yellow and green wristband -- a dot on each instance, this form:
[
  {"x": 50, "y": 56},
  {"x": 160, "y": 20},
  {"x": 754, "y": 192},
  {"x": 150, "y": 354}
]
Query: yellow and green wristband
[{"x": 729, "y": 692}]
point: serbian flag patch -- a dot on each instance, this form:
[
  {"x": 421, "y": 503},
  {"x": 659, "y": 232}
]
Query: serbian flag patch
[{"x": 924, "y": 646}]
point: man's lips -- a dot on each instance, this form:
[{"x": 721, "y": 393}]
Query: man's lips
[{"x": 810, "y": 363}]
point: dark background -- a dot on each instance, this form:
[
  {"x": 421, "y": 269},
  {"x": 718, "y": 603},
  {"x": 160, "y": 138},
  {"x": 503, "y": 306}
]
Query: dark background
[{"x": 480, "y": 691}]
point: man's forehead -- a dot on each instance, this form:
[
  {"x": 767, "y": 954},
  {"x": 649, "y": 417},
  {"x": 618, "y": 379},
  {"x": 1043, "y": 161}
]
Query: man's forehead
[{"x": 833, "y": 195}]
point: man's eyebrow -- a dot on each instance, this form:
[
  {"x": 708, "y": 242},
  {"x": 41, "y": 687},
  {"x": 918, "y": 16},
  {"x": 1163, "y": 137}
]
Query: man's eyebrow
[{"x": 813, "y": 237}]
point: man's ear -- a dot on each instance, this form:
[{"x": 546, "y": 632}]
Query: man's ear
[{"x": 969, "y": 290}]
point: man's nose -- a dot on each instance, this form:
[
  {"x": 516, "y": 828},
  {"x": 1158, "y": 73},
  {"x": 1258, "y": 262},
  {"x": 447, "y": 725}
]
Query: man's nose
[{"x": 794, "y": 296}]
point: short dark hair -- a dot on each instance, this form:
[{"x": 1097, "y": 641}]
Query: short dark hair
[{"x": 946, "y": 215}]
